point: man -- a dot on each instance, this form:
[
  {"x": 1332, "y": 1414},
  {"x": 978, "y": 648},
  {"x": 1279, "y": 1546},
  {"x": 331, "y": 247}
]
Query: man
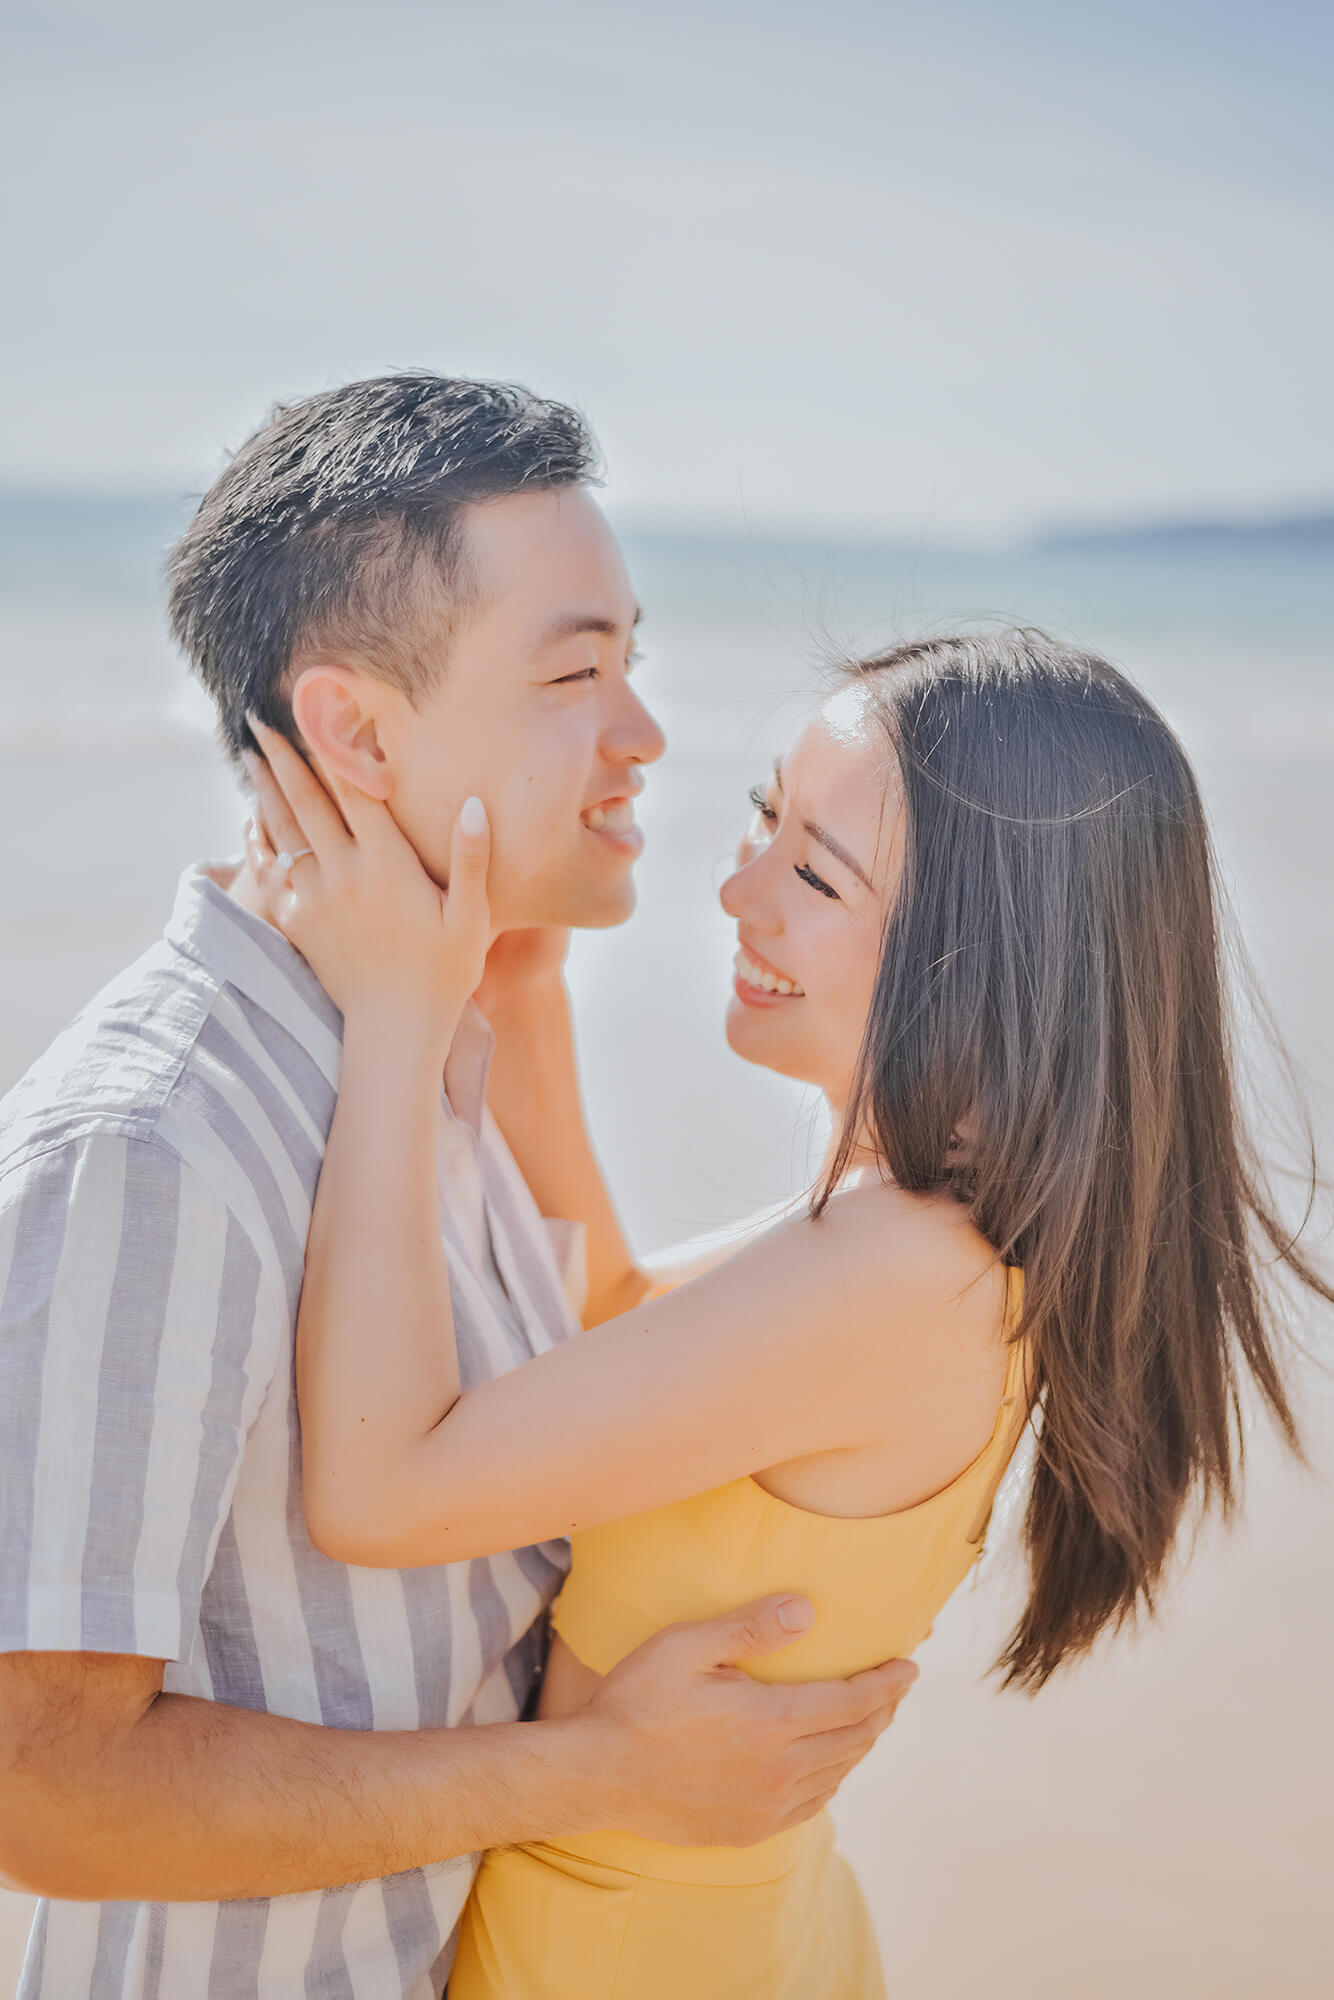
[{"x": 233, "y": 1763}]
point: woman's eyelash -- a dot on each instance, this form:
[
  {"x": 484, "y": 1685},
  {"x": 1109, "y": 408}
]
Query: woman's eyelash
[
  {"x": 761, "y": 804},
  {"x": 816, "y": 881}
]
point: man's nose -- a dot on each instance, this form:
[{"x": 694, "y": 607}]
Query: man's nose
[{"x": 635, "y": 736}]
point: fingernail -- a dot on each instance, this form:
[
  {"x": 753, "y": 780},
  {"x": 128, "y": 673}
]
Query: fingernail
[
  {"x": 473, "y": 817},
  {"x": 795, "y": 1615}
]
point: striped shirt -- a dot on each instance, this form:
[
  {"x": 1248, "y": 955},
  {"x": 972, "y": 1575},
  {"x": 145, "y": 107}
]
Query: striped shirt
[{"x": 157, "y": 1170}]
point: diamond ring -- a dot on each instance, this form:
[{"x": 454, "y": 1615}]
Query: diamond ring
[{"x": 285, "y": 860}]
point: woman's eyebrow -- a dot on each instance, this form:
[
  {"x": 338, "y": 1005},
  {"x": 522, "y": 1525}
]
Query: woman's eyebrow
[
  {"x": 839, "y": 852},
  {"x": 826, "y": 840}
]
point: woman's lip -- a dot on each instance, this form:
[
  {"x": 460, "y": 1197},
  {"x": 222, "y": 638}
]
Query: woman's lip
[{"x": 757, "y": 996}]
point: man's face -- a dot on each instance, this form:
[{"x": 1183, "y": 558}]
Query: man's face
[{"x": 535, "y": 714}]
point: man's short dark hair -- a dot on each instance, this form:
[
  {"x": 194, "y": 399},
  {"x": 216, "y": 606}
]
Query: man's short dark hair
[{"x": 338, "y": 524}]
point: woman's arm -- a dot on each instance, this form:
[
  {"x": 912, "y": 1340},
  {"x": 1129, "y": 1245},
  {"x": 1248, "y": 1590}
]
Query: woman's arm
[
  {"x": 800, "y": 1344},
  {"x": 535, "y": 1099},
  {"x": 667, "y": 1399},
  {"x": 775, "y": 1354}
]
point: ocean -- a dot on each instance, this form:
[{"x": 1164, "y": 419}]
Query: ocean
[
  {"x": 1167, "y": 1811},
  {"x": 112, "y": 782}
]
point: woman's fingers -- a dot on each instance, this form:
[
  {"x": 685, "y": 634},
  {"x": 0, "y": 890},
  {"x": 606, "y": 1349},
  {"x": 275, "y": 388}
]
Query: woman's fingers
[
  {"x": 277, "y": 822},
  {"x": 274, "y": 886},
  {"x": 318, "y": 822}
]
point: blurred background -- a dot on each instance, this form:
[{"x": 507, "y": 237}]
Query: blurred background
[{"x": 888, "y": 320}]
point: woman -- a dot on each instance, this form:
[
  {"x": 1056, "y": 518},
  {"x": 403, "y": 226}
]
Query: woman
[{"x": 976, "y": 908}]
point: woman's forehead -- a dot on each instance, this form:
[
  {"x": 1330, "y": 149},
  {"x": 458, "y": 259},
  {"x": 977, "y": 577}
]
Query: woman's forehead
[
  {"x": 843, "y": 741},
  {"x": 842, "y": 772}
]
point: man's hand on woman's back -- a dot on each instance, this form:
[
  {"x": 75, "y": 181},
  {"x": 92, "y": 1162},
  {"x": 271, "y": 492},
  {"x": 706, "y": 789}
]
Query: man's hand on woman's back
[{"x": 698, "y": 1753}]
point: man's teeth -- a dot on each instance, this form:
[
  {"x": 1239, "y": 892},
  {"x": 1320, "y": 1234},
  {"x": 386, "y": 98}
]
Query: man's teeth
[
  {"x": 618, "y": 817},
  {"x": 755, "y": 975}
]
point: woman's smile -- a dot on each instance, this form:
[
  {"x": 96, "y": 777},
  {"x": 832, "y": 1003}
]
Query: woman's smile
[{"x": 759, "y": 984}]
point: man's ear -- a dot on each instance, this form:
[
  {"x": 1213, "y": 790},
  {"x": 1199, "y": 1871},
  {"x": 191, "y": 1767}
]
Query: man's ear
[{"x": 335, "y": 710}]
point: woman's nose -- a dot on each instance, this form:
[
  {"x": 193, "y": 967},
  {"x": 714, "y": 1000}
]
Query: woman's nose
[{"x": 742, "y": 894}]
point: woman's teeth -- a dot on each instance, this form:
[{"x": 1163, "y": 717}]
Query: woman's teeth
[
  {"x": 618, "y": 817},
  {"x": 770, "y": 982}
]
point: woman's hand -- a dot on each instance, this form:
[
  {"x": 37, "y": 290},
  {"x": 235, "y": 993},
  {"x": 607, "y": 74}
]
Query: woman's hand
[{"x": 382, "y": 938}]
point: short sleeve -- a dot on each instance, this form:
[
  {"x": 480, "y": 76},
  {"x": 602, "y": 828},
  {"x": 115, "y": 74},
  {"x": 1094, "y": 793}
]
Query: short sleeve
[{"x": 134, "y": 1354}]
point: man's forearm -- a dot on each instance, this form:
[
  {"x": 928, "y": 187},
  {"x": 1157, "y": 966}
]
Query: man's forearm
[{"x": 198, "y": 1801}]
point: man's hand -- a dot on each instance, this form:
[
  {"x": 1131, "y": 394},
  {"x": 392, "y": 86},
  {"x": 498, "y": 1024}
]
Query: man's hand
[{"x": 703, "y": 1755}]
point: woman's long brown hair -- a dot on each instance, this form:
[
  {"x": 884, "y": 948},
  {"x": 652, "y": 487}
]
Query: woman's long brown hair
[{"x": 1052, "y": 987}]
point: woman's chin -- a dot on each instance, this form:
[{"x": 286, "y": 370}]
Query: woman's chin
[{"x": 755, "y": 1034}]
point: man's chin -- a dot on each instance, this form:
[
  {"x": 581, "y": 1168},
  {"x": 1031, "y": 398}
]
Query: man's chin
[
  {"x": 593, "y": 910},
  {"x": 604, "y": 912}
]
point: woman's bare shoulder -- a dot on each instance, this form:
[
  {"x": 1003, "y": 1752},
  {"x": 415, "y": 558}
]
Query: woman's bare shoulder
[
  {"x": 924, "y": 1290},
  {"x": 923, "y": 1239},
  {"x": 884, "y": 1288}
]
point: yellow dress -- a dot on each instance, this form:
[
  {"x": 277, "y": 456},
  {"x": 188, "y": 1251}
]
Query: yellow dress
[{"x": 609, "y": 1916}]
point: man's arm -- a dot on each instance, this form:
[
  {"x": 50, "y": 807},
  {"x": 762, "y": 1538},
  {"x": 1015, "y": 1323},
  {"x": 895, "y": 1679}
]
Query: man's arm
[{"x": 111, "y": 1790}]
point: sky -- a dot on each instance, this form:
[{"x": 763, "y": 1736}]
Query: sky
[{"x": 951, "y": 269}]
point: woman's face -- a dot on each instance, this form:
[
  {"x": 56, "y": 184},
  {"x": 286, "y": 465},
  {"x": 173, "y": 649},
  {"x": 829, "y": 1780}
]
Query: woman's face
[{"x": 815, "y": 874}]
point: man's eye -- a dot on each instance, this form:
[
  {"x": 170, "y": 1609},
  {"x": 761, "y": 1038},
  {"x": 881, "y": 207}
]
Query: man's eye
[
  {"x": 761, "y": 805},
  {"x": 816, "y": 881}
]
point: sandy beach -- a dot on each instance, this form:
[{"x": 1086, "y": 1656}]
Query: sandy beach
[{"x": 1158, "y": 1824}]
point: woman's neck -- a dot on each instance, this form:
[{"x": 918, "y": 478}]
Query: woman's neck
[{"x": 863, "y": 1154}]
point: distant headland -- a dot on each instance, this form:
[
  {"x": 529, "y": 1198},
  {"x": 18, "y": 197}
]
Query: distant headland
[{"x": 1288, "y": 534}]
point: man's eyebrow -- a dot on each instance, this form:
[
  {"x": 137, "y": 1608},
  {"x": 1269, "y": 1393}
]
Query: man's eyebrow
[
  {"x": 575, "y": 623},
  {"x": 827, "y": 840}
]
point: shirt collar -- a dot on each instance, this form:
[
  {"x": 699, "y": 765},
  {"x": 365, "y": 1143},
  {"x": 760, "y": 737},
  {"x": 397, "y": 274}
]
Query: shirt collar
[
  {"x": 468, "y": 1065},
  {"x": 211, "y": 927}
]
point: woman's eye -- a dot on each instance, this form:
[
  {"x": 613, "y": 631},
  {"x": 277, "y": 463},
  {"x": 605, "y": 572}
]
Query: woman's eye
[
  {"x": 816, "y": 881},
  {"x": 761, "y": 805},
  {"x": 566, "y": 680}
]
